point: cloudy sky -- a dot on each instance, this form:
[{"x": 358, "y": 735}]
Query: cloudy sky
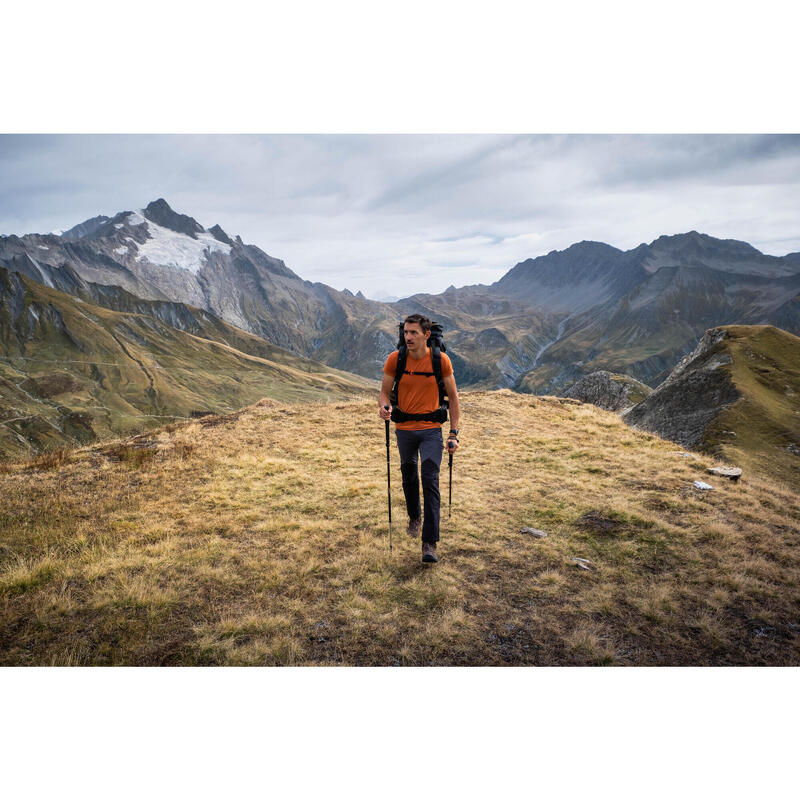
[{"x": 397, "y": 214}]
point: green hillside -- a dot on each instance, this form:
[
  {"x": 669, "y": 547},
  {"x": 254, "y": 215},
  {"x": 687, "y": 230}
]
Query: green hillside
[
  {"x": 71, "y": 372},
  {"x": 762, "y": 428}
]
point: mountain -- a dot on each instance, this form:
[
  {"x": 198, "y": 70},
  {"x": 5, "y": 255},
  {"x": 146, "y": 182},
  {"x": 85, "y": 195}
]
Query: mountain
[
  {"x": 737, "y": 396},
  {"x": 552, "y": 320},
  {"x": 695, "y": 249},
  {"x": 579, "y": 278},
  {"x": 84, "y": 228},
  {"x": 72, "y": 370},
  {"x": 544, "y": 325},
  {"x": 156, "y": 253}
]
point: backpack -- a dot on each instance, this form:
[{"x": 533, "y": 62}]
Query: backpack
[{"x": 437, "y": 346}]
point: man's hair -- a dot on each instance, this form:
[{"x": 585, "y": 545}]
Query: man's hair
[{"x": 418, "y": 319}]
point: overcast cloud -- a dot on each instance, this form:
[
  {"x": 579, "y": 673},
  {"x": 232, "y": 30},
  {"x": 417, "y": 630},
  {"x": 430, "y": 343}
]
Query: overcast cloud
[{"x": 394, "y": 215}]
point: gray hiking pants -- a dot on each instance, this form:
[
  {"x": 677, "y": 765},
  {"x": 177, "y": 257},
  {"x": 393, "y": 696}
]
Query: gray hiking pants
[{"x": 425, "y": 446}]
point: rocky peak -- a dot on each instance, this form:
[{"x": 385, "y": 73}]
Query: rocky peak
[
  {"x": 699, "y": 250},
  {"x": 86, "y": 228},
  {"x": 220, "y": 235},
  {"x": 160, "y": 212},
  {"x": 580, "y": 261},
  {"x": 694, "y": 242}
]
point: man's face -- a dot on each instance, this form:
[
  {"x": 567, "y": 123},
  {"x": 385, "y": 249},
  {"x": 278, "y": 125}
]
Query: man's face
[{"x": 413, "y": 335}]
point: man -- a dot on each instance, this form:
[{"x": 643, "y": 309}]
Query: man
[{"x": 418, "y": 394}]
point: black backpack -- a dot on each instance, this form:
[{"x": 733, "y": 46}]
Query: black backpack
[{"x": 437, "y": 346}]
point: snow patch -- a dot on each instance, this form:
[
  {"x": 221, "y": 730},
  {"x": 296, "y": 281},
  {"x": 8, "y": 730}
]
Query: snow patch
[
  {"x": 135, "y": 218},
  {"x": 119, "y": 225},
  {"x": 122, "y": 249},
  {"x": 173, "y": 249},
  {"x": 34, "y": 313},
  {"x": 42, "y": 246}
]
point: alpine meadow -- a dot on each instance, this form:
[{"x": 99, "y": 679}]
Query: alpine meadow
[
  {"x": 193, "y": 470},
  {"x": 242, "y": 539}
]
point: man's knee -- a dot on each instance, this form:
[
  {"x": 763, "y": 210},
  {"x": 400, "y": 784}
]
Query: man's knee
[
  {"x": 430, "y": 472},
  {"x": 409, "y": 471}
]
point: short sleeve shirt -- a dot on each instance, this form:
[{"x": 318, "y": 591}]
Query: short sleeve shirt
[{"x": 418, "y": 393}]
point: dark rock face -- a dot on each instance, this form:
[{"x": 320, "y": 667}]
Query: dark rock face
[
  {"x": 490, "y": 338},
  {"x": 220, "y": 235},
  {"x": 86, "y": 228},
  {"x": 159, "y": 212},
  {"x": 692, "y": 396},
  {"x": 608, "y": 391}
]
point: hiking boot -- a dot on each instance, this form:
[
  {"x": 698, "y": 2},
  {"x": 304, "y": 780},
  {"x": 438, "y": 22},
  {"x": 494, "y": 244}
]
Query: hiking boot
[
  {"x": 429, "y": 553},
  {"x": 414, "y": 527}
]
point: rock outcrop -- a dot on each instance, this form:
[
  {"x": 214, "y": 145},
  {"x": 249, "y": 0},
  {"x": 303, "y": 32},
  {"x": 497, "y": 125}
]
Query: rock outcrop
[
  {"x": 695, "y": 392},
  {"x": 609, "y": 390}
]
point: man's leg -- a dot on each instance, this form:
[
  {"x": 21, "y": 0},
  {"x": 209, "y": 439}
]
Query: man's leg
[
  {"x": 408, "y": 446},
  {"x": 431, "y": 455}
]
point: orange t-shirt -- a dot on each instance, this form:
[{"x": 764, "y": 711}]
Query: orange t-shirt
[{"x": 418, "y": 394}]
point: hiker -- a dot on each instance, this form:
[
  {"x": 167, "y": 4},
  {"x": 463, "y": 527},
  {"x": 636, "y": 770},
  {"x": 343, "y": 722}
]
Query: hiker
[{"x": 418, "y": 395}]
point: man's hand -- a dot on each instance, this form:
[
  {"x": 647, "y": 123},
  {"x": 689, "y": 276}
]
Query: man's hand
[
  {"x": 452, "y": 443},
  {"x": 385, "y": 412}
]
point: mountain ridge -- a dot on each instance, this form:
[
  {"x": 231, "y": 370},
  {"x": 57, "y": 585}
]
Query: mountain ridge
[{"x": 547, "y": 322}]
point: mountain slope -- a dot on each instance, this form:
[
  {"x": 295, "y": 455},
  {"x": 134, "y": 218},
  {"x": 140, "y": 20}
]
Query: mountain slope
[
  {"x": 246, "y": 541},
  {"x": 71, "y": 371},
  {"x": 638, "y": 312},
  {"x": 737, "y": 396},
  {"x": 158, "y": 254}
]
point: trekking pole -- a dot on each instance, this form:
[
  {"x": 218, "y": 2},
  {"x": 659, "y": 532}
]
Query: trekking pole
[
  {"x": 388, "y": 481},
  {"x": 450, "y": 499}
]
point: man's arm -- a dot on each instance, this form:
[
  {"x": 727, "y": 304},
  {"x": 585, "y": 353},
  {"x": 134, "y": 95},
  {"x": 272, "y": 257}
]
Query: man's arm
[
  {"x": 452, "y": 396},
  {"x": 383, "y": 400}
]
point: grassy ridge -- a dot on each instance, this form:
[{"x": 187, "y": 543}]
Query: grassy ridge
[
  {"x": 761, "y": 430},
  {"x": 261, "y": 538}
]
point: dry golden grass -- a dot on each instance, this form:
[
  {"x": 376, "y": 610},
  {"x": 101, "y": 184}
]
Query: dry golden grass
[{"x": 262, "y": 538}]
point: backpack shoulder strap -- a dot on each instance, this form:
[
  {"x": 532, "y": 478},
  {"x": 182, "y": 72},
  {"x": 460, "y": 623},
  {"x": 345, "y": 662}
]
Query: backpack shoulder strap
[
  {"x": 402, "y": 357},
  {"x": 436, "y": 358}
]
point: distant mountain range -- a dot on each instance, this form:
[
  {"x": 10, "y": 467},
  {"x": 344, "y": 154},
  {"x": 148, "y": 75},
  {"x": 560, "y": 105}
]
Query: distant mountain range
[
  {"x": 545, "y": 324},
  {"x": 552, "y": 319}
]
